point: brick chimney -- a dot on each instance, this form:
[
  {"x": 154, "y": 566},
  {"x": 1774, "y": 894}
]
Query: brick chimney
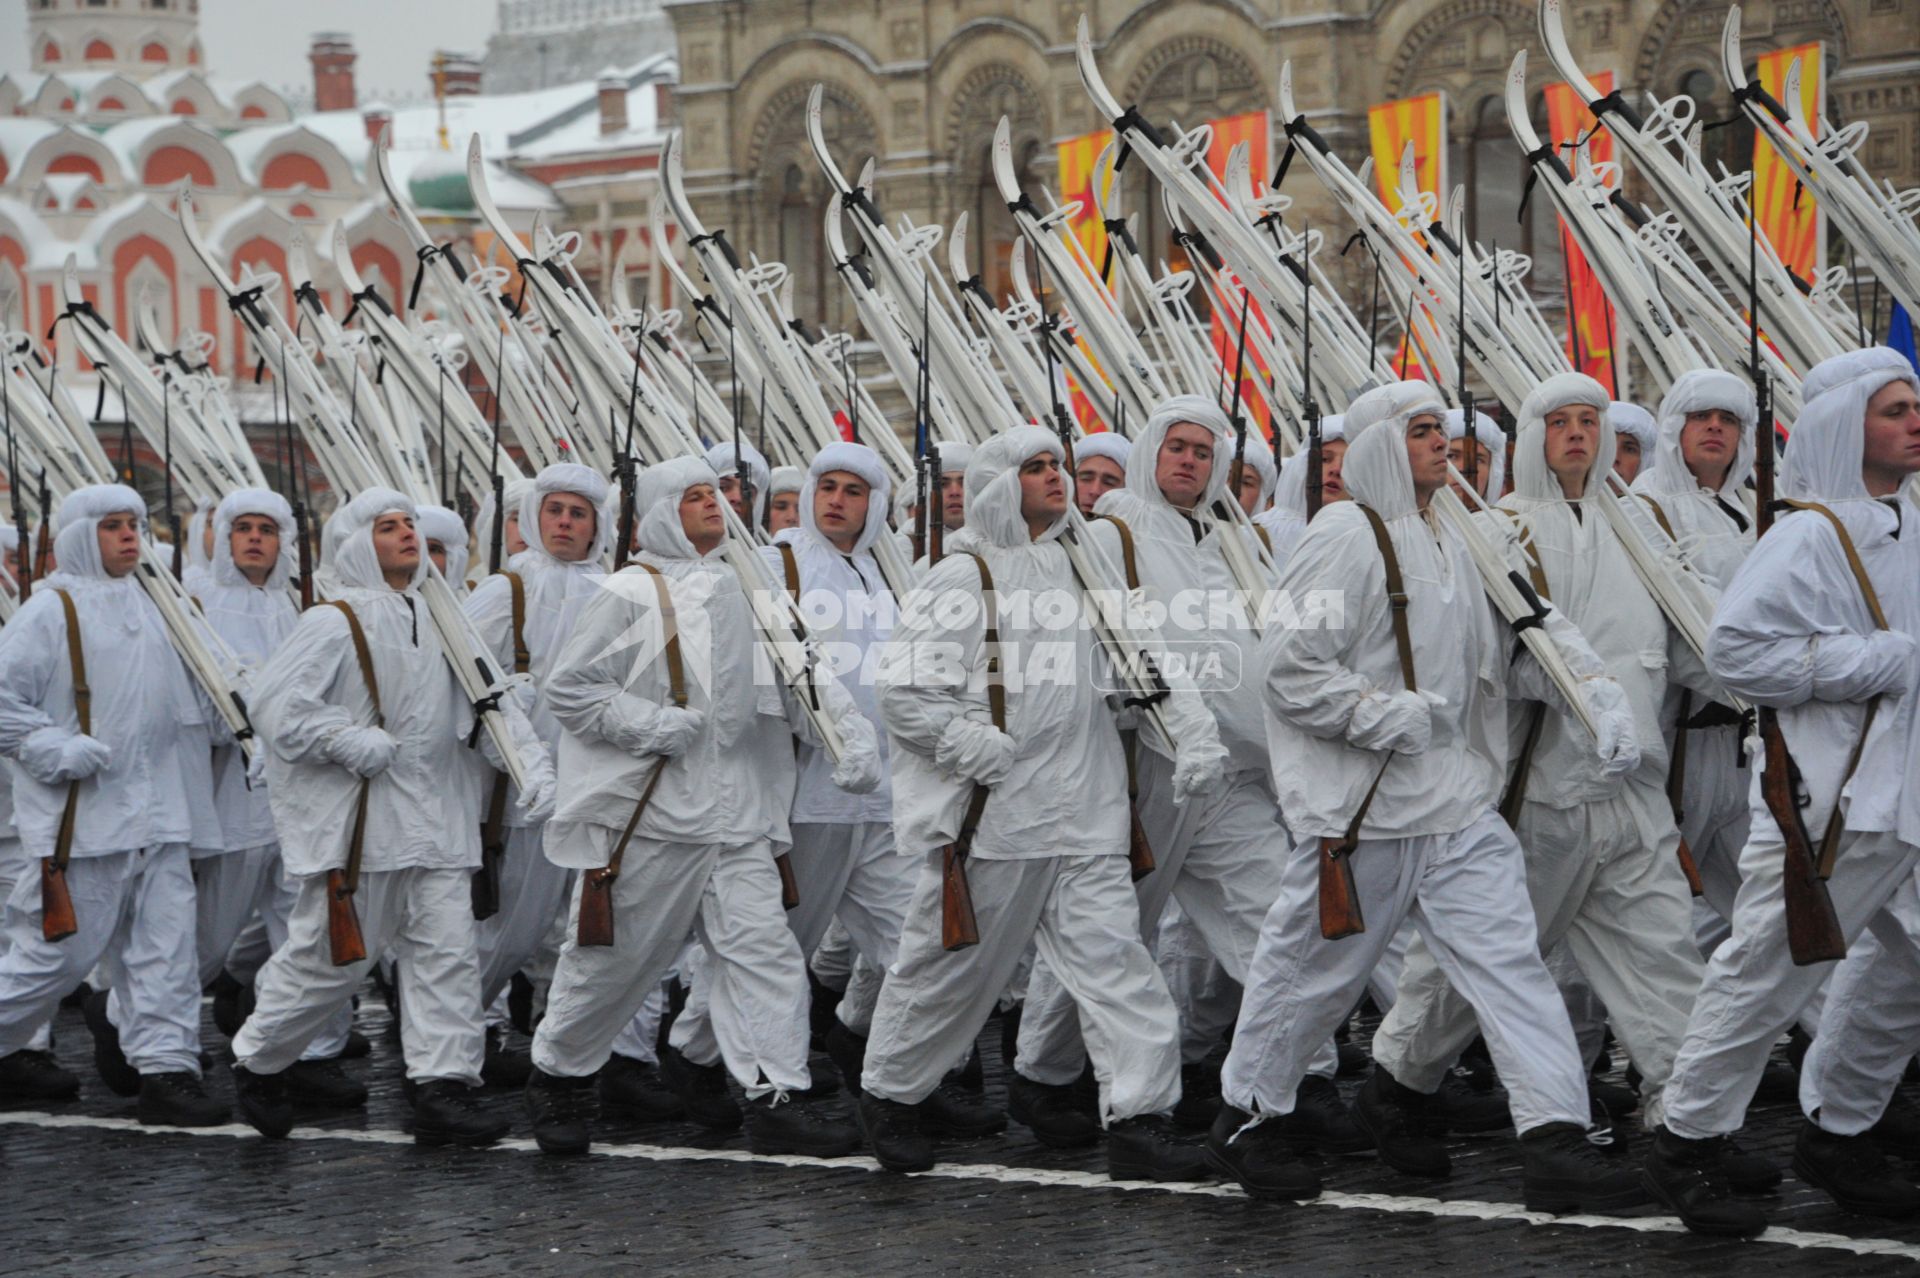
[
  {"x": 332, "y": 57},
  {"x": 461, "y": 74},
  {"x": 613, "y": 103},
  {"x": 663, "y": 102},
  {"x": 377, "y": 117}
]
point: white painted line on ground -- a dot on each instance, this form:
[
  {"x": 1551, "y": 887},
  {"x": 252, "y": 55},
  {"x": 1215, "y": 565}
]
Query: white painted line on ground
[{"x": 1458, "y": 1209}]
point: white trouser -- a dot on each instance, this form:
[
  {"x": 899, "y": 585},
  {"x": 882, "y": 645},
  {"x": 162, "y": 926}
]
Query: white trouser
[
  {"x": 135, "y": 917},
  {"x": 729, "y": 895},
  {"x": 1753, "y": 990},
  {"x": 846, "y": 873},
  {"x": 639, "y": 1037},
  {"x": 1221, "y": 862},
  {"x": 1460, "y": 889},
  {"x": 532, "y": 890},
  {"x": 1082, "y": 913},
  {"x": 422, "y": 918},
  {"x": 1869, "y": 1030},
  {"x": 232, "y": 892},
  {"x": 1606, "y": 878},
  {"x": 1383, "y": 983},
  {"x": 1715, "y": 821},
  {"x": 832, "y": 960},
  {"x": 14, "y": 864},
  {"x": 1208, "y": 999},
  {"x": 1584, "y": 1008}
]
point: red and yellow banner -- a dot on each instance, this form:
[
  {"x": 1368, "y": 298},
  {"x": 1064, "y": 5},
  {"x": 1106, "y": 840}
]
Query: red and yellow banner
[
  {"x": 1078, "y": 160},
  {"x": 1789, "y": 217},
  {"x": 1392, "y": 127},
  {"x": 1590, "y": 326}
]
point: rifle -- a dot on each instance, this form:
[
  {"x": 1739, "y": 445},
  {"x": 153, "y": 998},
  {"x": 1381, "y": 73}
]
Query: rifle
[
  {"x": 1676, "y": 794},
  {"x": 43, "y": 545},
  {"x": 936, "y": 514},
  {"x": 623, "y": 470},
  {"x": 1339, "y": 899},
  {"x": 958, "y": 927},
  {"x": 1316, "y": 483},
  {"x": 1470, "y": 434},
  {"x": 166, "y": 464},
  {"x": 1813, "y": 928},
  {"x": 344, "y": 940},
  {"x": 595, "y": 927},
  {"x": 16, "y": 491},
  {"x": 57, "y": 919},
  {"x": 924, "y": 452},
  {"x": 498, "y": 550},
  {"x": 485, "y": 884},
  {"x": 1237, "y": 473}
]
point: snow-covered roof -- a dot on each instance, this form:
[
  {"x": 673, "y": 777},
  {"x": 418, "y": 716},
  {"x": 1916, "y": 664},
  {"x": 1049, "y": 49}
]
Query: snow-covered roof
[{"x": 577, "y": 131}]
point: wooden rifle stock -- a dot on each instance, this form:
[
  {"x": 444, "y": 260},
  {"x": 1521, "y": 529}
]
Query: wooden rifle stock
[
  {"x": 596, "y": 909},
  {"x": 958, "y": 927},
  {"x": 1677, "y": 784},
  {"x": 1339, "y": 900},
  {"x": 57, "y": 921},
  {"x": 789, "y": 889},
  {"x": 1690, "y": 868},
  {"x": 485, "y": 883},
  {"x": 343, "y": 925},
  {"x": 1813, "y": 929},
  {"x": 1139, "y": 851}
]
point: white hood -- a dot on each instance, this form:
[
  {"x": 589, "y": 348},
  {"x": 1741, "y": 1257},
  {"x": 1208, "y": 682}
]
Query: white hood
[
  {"x": 993, "y": 487},
  {"x": 856, "y": 459},
  {"x": 1697, "y": 390},
  {"x": 252, "y": 501},
  {"x": 76, "y": 546},
  {"x": 1488, "y": 432},
  {"x": 566, "y": 477},
  {"x": 355, "y": 564},
  {"x": 1143, "y": 461},
  {"x": 1822, "y": 461},
  {"x": 657, "y": 496},
  {"x": 1531, "y": 475}
]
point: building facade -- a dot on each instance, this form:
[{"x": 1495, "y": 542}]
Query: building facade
[{"x": 920, "y": 86}]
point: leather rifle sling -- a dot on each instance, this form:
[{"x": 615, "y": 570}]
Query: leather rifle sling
[
  {"x": 83, "y": 711},
  {"x": 1516, "y": 791},
  {"x": 996, "y": 699},
  {"x": 493, "y": 824},
  {"x": 1402, "y": 640},
  {"x": 677, "y": 689},
  {"x": 1830, "y": 838},
  {"x": 1140, "y": 859},
  {"x": 790, "y": 567},
  {"x": 364, "y": 656}
]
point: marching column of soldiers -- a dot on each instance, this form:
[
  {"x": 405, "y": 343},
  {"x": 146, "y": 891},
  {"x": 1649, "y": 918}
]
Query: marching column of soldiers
[{"x": 1173, "y": 904}]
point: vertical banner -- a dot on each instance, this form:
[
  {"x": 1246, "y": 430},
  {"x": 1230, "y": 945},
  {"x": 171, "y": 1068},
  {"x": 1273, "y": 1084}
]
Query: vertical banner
[
  {"x": 1590, "y": 326},
  {"x": 1392, "y": 127},
  {"x": 1789, "y": 216},
  {"x": 1224, "y": 329},
  {"x": 1078, "y": 157}
]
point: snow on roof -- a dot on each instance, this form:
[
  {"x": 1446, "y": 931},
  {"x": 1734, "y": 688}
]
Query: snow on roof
[
  {"x": 45, "y": 248},
  {"x": 63, "y": 187},
  {"x": 19, "y": 135},
  {"x": 126, "y": 138},
  {"x": 578, "y": 132}
]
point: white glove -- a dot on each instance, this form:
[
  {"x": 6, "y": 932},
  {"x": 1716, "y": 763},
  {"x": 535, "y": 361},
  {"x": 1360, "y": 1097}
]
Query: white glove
[
  {"x": 257, "y": 764},
  {"x": 673, "y": 731},
  {"x": 1882, "y": 663},
  {"x": 1615, "y": 740},
  {"x": 53, "y": 755},
  {"x": 1198, "y": 770},
  {"x": 536, "y": 801},
  {"x": 1398, "y": 721},
  {"x": 974, "y": 751},
  {"x": 858, "y": 771},
  {"x": 365, "y": 752}
]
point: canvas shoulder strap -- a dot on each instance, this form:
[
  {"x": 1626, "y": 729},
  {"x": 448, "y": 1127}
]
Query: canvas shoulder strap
[
  {"x": 1127, "y": 555},
  {"x": 1396, "y": 594},
  {"x": 677, "y": 690},
  {"x": 83, "y": 711},
  {"x": 1659, "y": 516},
  {"x": 790, "y": 565},
  {"x": 363, "y": 655},
  {"x": 996, "y": 693},
  {"x": 522, "y": 658}
]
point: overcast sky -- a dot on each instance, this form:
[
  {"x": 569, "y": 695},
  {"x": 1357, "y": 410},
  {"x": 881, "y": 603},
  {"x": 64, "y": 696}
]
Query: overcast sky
[{"x": 268, "y": 39}]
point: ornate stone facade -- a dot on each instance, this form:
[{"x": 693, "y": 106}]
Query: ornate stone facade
[{"x": 919, "y": 86}]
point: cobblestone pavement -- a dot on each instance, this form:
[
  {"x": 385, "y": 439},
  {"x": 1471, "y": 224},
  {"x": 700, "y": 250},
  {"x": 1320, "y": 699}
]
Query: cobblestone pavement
[{"x": 89, "y": 1192}]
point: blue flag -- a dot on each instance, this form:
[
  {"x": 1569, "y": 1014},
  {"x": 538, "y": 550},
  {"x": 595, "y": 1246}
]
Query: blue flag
[{"x": 1900, "y": 333}]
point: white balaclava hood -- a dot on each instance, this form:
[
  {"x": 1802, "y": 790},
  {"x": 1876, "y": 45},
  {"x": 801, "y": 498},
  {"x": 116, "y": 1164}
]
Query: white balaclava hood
[
  {"x": 856, "y": 459},
  {"x": 253, "y": 501},
  {"x": 515, "y": 491},
  {"x": 1488, "y": 432},
  {"x": 721, "y": 458},
  {"x": 1639, "y": 423},
  {"x": 993, "y": 486},
  {"x": 1143, "y": 461},
  {"x": 567, "y": 477},
  {"x": 1260, "y": 457},
  {"x": 77, "y": 545},
  {"x": 656, "y": 496},
  {"x": 786, "y": 479},
  {"x": 1375, "y": 470},
  {"x": 1695, "y": 391},
  {"x": 1531, "y": 475},
  {"x": 196, "y": 535},
  {"x": 1823, "y": 456},
  {"x": 1103, "y": 443},
  {"x": 437, "y": 523},
  {"x": 355, "y": 564},
  {"x": 955, "y": 455}
]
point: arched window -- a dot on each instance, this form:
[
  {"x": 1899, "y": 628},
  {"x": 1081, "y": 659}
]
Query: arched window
[
  {"x": 802, "y": 246},
  {"x": 170, "y": 164},
  {"x": 154, "y": 51},
  {"x": 49, "y": 52},
  {"x": 98, "y": 51},
  {"x": 110, "y": 104},
  {"x": 184, "y": 106},
  {"x": 294, "y": 169},
  {"x": 72, "y": 163}
]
